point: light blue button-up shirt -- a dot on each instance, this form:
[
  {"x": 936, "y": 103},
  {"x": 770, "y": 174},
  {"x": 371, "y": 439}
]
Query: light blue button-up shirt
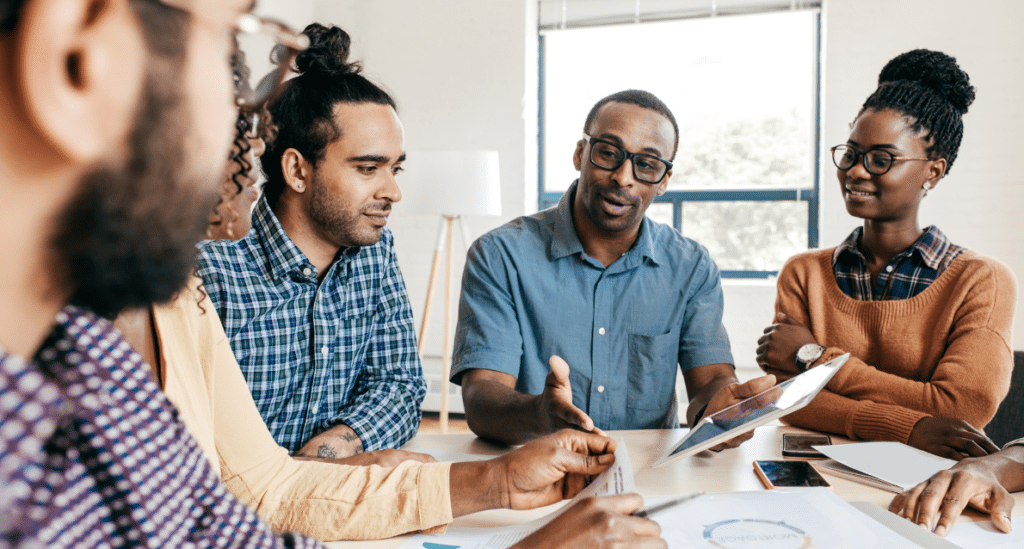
[{"x": 529, "y": 291}]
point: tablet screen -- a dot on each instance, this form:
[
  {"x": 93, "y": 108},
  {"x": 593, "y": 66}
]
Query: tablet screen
[{"x": 784, "y": 398}]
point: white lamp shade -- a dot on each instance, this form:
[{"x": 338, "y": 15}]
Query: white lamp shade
[{"x": 451, "y": 183}]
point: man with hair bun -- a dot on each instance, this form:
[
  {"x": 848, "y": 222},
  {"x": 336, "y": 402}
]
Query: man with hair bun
[
  {"x": 312, "y": 299},
  {"x": 581, "y": 315},
  {"x": 928, "y": 323}
]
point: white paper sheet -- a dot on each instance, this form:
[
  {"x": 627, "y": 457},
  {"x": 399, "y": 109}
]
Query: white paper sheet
[
  {"x": 617, "y": 479},
  {"x": 892, "y": 462},
  {"x": 983, "y": 535},
  {"x": 775, "y": 519}
]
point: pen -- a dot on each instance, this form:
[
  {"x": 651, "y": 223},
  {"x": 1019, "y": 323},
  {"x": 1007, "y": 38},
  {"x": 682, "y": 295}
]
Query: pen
[{"x": 650, "y": 511}]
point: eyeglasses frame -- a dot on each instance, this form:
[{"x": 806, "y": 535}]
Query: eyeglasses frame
[
  {"x": 284, "y": 37},
  {"x": 627, "y": 156},
  {"x": 862, "y": 156}
]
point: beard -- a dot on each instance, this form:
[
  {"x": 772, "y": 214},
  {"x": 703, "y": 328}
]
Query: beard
[
  {"x": 127, "y": 236},
  {"x": 334, "y": 219}
]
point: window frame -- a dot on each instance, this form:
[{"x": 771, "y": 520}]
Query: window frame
[{"x": 810, "y": 195}]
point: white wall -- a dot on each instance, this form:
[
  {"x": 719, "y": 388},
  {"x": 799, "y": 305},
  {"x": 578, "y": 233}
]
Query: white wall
[
  {"x": 296, "y": 13},
  {"x": 464, "y": 75}
]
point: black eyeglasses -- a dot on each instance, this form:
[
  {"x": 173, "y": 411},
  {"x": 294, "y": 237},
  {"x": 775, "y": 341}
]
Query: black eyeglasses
[
  {"x": 875, "y": 161},
  {"x": 269, "y": 45},
  {"x": 609, "y": 156}
]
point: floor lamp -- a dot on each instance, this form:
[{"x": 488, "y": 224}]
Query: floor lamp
[{"x": 451, "y": 184}]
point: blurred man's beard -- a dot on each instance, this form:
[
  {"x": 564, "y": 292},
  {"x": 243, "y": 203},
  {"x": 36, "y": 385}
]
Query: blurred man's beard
[{"x": 127, "y": 238}]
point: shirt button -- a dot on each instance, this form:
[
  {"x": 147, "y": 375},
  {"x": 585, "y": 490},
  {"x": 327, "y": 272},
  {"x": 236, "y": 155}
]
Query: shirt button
[
  {"x": 600, "y": 388},
  {"x": 316, "y": 408},
  {"x": 324, "y": 350},
  {"x": 307, "y": 271},
  {"x": 888, "y": 268},
  {"x": 600, "y": 331}
]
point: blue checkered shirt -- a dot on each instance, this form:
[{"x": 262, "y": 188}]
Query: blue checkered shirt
[
  {"x": 92, "y": 454},
  {"x": 318, "y": 354},
  {"x": 906, "y": 275}
]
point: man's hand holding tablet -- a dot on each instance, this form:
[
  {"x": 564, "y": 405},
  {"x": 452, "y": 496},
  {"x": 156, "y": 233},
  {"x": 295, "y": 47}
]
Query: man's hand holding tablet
[{"x": 721, "y": 428}]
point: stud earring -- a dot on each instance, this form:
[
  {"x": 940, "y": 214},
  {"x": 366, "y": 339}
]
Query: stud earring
[{"x": 300, "y": 187}]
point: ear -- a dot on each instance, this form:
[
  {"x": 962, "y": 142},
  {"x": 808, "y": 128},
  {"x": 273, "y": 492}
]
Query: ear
[
  {"x": 577, "y": 157},
  {"x": 663, "y": 186},
  {"x": 936, "y": 171},
  {"x": 81, "y": 65},
  {"x": 297, "y": 170}
]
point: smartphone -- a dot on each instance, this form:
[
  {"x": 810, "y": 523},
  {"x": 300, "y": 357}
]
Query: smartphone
[
  {"x": 788, "y": 474},
  {"x": 800, "y": 446}
]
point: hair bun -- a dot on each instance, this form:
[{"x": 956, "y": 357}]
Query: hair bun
[
  {"x": 327, "y": 54},
  {"x": 934, "y": 70}
]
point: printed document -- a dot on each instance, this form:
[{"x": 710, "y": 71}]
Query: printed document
[{"x": 617, "y": 479}]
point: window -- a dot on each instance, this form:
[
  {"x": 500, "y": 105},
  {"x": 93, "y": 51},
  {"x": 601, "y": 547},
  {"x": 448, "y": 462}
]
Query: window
[{"x": 745, "y": 92}]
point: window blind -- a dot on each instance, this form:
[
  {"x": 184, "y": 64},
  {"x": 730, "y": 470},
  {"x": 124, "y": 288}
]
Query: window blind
[{"x": 565, "y": 14}]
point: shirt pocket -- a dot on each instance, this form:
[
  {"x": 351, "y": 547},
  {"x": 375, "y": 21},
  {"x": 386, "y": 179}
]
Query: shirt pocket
[{"x": 651, "y": 381}]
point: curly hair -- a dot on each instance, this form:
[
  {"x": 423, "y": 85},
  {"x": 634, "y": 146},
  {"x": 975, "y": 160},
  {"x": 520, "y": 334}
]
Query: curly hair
[
  {"x": 929, "y": 88},
  {"x": 247, "y": 121}
]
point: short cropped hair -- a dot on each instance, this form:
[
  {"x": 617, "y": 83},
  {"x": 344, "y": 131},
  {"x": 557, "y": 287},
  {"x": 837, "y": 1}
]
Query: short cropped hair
[{"x": 639, "y": 98}]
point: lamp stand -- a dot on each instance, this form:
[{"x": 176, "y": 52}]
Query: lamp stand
[{"x": 444, "y": 246}]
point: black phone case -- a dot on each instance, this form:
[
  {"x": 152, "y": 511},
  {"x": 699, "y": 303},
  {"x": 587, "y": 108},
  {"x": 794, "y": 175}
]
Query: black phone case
[{"x": 802, "y": 453}]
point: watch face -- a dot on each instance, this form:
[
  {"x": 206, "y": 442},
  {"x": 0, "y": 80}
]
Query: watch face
[{"x": 809, "y": 353}]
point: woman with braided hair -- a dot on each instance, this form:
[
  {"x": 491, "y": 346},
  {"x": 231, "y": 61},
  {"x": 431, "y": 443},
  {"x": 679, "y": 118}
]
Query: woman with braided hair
[{"x": 927, "y": 323}]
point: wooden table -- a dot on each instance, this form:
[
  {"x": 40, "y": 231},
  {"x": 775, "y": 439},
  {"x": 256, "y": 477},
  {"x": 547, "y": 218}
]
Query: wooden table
[{"x": 727, "y": 471}]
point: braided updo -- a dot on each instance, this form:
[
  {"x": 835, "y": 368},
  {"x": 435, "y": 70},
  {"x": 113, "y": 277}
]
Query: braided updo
[{"x": 929, "y": 88}]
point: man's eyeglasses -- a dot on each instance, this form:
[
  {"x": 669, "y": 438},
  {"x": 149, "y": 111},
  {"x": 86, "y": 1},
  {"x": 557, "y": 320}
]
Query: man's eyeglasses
[
  {"x": 270, "y": 47},
  {"x": 609, "y": 156},
  {"x": 875, "y": 161}
]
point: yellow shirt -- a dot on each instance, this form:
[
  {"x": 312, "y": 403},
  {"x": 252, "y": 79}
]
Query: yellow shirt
[{"x": 323, "y": 500}]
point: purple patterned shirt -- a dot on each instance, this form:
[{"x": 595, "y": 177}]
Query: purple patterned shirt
[{"x": 92, "y": 454}]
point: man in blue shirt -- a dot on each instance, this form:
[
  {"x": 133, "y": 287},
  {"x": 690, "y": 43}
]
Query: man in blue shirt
[
  {"x": 620, "y": 298},
  {"x": 312, "y": 298}
]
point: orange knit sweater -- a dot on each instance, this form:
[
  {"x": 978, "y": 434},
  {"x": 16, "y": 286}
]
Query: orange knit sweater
[{"x": 946, "y": 352}]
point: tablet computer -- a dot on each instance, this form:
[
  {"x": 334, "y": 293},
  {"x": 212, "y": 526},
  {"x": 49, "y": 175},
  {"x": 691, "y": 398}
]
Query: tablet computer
[{"x": 782, "y": 399}]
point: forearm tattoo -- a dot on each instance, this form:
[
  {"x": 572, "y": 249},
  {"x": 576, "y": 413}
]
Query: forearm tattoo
[{"x": 353, "y": 441}]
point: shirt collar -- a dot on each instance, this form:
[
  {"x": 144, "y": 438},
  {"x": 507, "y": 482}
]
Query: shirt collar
[
  {"x": 849, "y": 246},
  {"x": 283, "y": 256},
  {"x": 565, "y": 241},
  {"x": 931, "y": 247}
]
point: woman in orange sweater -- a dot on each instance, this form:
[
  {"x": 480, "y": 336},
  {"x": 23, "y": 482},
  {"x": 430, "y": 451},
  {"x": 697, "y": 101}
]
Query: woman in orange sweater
[{"x": 928, "y": 323}]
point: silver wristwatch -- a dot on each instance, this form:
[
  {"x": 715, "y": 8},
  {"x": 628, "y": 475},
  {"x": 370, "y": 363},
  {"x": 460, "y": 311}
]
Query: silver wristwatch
[{"x": 807, "y": 355}]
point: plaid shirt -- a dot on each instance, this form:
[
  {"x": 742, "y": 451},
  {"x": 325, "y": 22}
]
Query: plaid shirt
[
  {"x": 906, "y": 275},
  {"x": 316, "y": 355},
  {"x": 92, "y": 454}
]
